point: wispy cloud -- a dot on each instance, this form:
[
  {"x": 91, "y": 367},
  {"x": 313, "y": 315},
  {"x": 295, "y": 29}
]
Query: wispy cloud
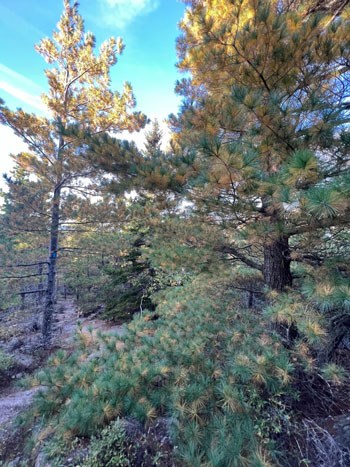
[
  {"x": 7, "y": 72},
  {"x": 17, "y": 85},
  {"x": 121, "y": 13},
  {"x": 29, "y": 99}
]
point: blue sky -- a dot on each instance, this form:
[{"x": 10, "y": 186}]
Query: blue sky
[{"x": 148, "y": 28}]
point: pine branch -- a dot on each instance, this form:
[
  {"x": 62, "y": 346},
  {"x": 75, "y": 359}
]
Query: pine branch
[
  {"x": 319, "y": 224},
  {"x": 239, "y": 255},
  {"x": 22, "y": 134}
]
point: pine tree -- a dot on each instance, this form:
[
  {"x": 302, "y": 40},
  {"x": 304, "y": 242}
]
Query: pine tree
[
  {"x": 80, "y": 103},
  {"x": 131, "y": 279},
  {"x": 153, "y": 139},
  {"x": 265, "y": 114},
  {"x": 23, "y": 247}
]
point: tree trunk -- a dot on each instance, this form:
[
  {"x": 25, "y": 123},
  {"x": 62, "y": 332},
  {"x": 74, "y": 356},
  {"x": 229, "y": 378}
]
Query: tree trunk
[
  {"x": 276, "y": 267},
  {"x": 40, "y": 286},
  {"x": 50, "y": 290}
]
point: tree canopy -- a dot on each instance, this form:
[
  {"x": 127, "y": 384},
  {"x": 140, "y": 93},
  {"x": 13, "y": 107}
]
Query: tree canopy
[{"x": 266, "y": 112}]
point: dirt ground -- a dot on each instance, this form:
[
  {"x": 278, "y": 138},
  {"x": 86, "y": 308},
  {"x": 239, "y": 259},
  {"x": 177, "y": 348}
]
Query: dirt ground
[{"x": 20, "y": 338}]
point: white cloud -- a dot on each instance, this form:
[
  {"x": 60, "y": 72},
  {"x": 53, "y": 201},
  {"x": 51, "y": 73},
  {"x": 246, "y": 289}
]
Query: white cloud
[
  {"x": 13, "y": 75},
  {"x": 120, "y": 13},
  {"x": 17, "y": 85},
  {"x": 26, "y": 97}
]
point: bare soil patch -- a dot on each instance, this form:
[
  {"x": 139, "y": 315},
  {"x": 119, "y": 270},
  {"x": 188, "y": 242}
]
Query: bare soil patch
[{"x": 20, "y": 339}]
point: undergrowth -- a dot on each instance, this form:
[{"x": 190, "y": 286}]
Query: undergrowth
[
  {"x": 210, "y": 368},
  {"x": 6, "y": 361},
  {"x": 109, "y": 449}
]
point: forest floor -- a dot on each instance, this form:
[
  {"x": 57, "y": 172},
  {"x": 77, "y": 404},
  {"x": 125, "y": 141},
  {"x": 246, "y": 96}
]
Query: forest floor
[
  {"x": 20, "y": 338},
  {"x": 324, "y": 430}
]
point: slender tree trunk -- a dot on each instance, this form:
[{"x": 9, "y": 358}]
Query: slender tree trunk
[
  {"x": 50, "y": 290},
  {"x": 276, "y": 267},
  {"x": 40, "y": 286},
  {"x": 49, "y": 307}
]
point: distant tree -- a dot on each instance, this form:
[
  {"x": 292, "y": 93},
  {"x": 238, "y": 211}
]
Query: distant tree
[
  {"x": 81, "y": 105},
  {"x": 265, "y": 118},
  {"x": 131, "y": 279},
  {"x": 23, "y": 251},
  {"x": 153, "y": 139}
]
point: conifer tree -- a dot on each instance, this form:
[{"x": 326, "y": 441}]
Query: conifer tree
[
  {"x": 23, "y": 256},
  {"x": 266, "y": 114},
  {"x": 153, "y": 139},
  {"x": 80, "y": 102}
]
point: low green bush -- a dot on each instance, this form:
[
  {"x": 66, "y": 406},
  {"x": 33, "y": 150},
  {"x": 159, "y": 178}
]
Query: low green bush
[
  {"x": 6, "y": 361},
  {"x": 213, "y": 371},
  {"x": 109, "y": 449}
]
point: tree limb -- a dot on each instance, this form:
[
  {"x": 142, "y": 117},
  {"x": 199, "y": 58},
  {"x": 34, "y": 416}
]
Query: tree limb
[
  {"x": 320, "y": 224},
  {"x": 235, "y": 252}
]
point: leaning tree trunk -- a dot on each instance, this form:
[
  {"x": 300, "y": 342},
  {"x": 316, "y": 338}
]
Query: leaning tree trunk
[
  {"x": 50, "y": 290},
  {"x": 276, "y": 266}
]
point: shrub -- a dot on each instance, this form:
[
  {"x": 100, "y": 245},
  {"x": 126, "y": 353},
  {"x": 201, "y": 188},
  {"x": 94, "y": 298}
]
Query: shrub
[
  {"x": 210, "y": 369},
  {"x": 109, "y": 448},
  {"x": 6, "y": 361}
]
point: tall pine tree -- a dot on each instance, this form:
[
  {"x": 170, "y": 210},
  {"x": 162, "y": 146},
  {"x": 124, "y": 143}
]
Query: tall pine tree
[
  {"x": 80, "y": 102},
  {"x": 267, "y": 114}
]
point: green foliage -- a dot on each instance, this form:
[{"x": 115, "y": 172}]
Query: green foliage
[
  {"x": 109, "y": 448},
  {"x": 6, "y": 361},
  {"x": 324, "y": 202},
  {"x": 19, "y": 247},
  {"x": 268, "y": 130},
  {"x": 328, "y": 289},
  {"x": 131, "y": 281},
  {"x": 193, "y": 362},
  {"x": 153, "y": 139},
  {"x": 334, "y": 373},
  {"x": 182, "y": 247},
  {"x": 314, "y": 320},
  {"x": 292, "y": 310},
  {"x": 84, "y": 266},
  {"x": 165, "y": 255}
]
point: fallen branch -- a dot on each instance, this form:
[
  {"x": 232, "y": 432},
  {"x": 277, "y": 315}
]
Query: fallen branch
[
  {"x": 31, "y": 291},
  {"x": 24, "y": 277},
  {"x": 24, "y": 265}
]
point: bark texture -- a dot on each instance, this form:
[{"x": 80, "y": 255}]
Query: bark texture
[{"x": 276, "y": 269}]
